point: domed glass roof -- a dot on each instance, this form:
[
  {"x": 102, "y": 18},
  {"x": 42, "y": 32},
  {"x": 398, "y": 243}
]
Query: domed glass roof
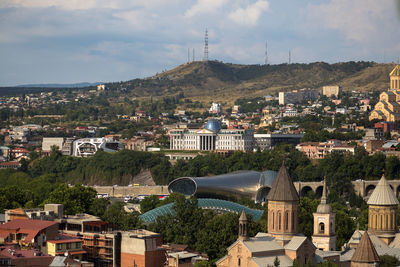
[{"x": 213, "y": 125}]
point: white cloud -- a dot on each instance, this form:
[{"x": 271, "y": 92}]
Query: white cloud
[
  {"x": 249, "y": 16},
  {"x": 204, "y": 6},
  {"x": 83, "y": 4},
  {"x": 357, "y": 20}
]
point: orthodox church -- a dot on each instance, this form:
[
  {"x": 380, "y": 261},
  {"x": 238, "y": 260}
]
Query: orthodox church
[
  {"x": 388, "y": 107},
  {"x": 284, "y": 242}
]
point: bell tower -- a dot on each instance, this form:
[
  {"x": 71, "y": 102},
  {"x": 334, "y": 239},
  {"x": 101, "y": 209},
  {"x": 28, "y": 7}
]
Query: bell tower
[
  {"x": 243, "y": 226},
  {"x": 283, "y": 208},
  {"x": 324, "y": 237}
]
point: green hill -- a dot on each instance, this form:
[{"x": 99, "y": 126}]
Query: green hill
[{"x": 205, "y": 80}]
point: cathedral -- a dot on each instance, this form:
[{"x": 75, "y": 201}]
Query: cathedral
[
  {"x": 388, "y": 107},
  {"x": 285, "y": 243}
]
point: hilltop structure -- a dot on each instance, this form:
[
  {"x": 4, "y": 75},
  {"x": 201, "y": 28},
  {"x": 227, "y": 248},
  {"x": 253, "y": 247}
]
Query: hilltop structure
[{"x": 388, "y": 107}]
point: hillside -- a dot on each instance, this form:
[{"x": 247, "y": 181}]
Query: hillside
[{"x": 213, "y": 80}]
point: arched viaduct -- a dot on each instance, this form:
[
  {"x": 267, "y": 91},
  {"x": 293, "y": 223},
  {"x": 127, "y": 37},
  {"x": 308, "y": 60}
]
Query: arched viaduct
[{"x": 361, "y": 187}]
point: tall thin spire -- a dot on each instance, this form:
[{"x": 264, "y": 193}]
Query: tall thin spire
[
  {"x": 324, "y": 194},
  {"x": 206, "y": 46}
]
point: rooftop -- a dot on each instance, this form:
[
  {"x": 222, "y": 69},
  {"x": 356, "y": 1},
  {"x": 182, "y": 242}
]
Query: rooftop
[
  {"x": 383, "y": 194},
  {"x": 283, "y": 189}
]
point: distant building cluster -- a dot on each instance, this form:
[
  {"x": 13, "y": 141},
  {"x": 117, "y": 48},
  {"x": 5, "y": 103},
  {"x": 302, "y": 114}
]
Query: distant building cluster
[
  {"x": 213, "y": 138},
  {"x": 297, "y": 96}
]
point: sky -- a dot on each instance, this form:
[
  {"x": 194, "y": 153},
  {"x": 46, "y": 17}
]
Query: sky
[{"x": 69, "y": 41}]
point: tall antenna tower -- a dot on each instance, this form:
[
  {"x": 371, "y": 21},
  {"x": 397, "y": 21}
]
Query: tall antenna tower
[
  {"x": 206, "y": 46},
  {"x": 188, "y": 56},
  {"x": 289, "y": 57},
  {"x": 266, "y": 54},
  {"x": 193, "y": 55}
]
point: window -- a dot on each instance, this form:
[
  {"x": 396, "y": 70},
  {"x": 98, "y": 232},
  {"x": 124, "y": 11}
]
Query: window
[
  {"x": 287, "y": 220},
  {"x": 279, "y": 221},
  {"x": 321, "y": 228},
  {"x": 239, "y": 262},
  {"x": 59, "y": 246},
  {"x": 68, "y": 245},
  {"x": 273, "y": 220}
]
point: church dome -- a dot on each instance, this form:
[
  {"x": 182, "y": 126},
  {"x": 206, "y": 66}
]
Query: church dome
[
  {"x": 324, "y": 208},
  {"x": 213, "y": 125}
]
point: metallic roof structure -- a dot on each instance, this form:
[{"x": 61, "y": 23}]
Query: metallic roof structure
[
  {"x": 383, "y": 194},
  {"x": 204, "y": 203},
  {"x": 213, "y": 125},
  {"x": 231, "y": 186}
]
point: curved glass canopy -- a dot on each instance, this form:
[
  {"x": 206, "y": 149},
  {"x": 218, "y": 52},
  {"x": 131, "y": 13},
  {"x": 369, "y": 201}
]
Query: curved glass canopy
[{"x": 205, "y": 203}]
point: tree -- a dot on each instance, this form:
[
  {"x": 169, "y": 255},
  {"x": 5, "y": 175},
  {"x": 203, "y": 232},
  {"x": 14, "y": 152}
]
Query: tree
[
  {"x": 149, "y": 203},
  {"x": 76, "y": 199},
  {"x": 387, "y": 261},
  {"x": 277, "y": 262}
]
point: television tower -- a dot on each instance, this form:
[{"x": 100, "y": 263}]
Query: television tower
[
  {"x": 266, "y": 54},
  {"x": 205, "y": 58},
  {"x": 289, "y": 57}
]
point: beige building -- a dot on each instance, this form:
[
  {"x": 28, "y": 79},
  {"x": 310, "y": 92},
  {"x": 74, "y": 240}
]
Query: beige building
[
  {"x": 282, "y": 240},
  {"x": 334, "y": 90},
  {"x": 324, "y": 237},
  {"x": 388, "y": 107}
]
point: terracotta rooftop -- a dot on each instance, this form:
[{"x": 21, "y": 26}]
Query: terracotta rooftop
[
  {"x": 29, "y": 227},
  {"x": 283, "y": 189},
  {"x": 365, "y": 251}
]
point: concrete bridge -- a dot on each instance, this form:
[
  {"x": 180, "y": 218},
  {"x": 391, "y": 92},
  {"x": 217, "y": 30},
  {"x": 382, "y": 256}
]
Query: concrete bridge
[{"x": 361, "y": 187}]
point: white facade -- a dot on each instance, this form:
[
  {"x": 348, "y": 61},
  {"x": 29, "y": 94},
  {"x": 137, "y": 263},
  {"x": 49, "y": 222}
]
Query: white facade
[
  {"x": 86, "y": 147},
  {"x": 215, "y": 108},
  {"x": 203, "y": 139}
]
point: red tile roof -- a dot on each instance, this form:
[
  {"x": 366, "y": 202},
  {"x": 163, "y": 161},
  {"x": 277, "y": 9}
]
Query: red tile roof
[{"x": 29, "y": 227}]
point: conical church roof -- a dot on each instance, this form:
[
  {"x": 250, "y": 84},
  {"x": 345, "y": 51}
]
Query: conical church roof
[
  {"x": 395, "y": 71},
  {"x": 243, "y": 216},
  {"x": 283, "y": 188},
  {"x": 365, "y": 251},
  {"x": 383, "y": 194}
]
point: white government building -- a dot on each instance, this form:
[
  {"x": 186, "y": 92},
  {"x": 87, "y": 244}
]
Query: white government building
[{"x": 212, "y": 138}]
